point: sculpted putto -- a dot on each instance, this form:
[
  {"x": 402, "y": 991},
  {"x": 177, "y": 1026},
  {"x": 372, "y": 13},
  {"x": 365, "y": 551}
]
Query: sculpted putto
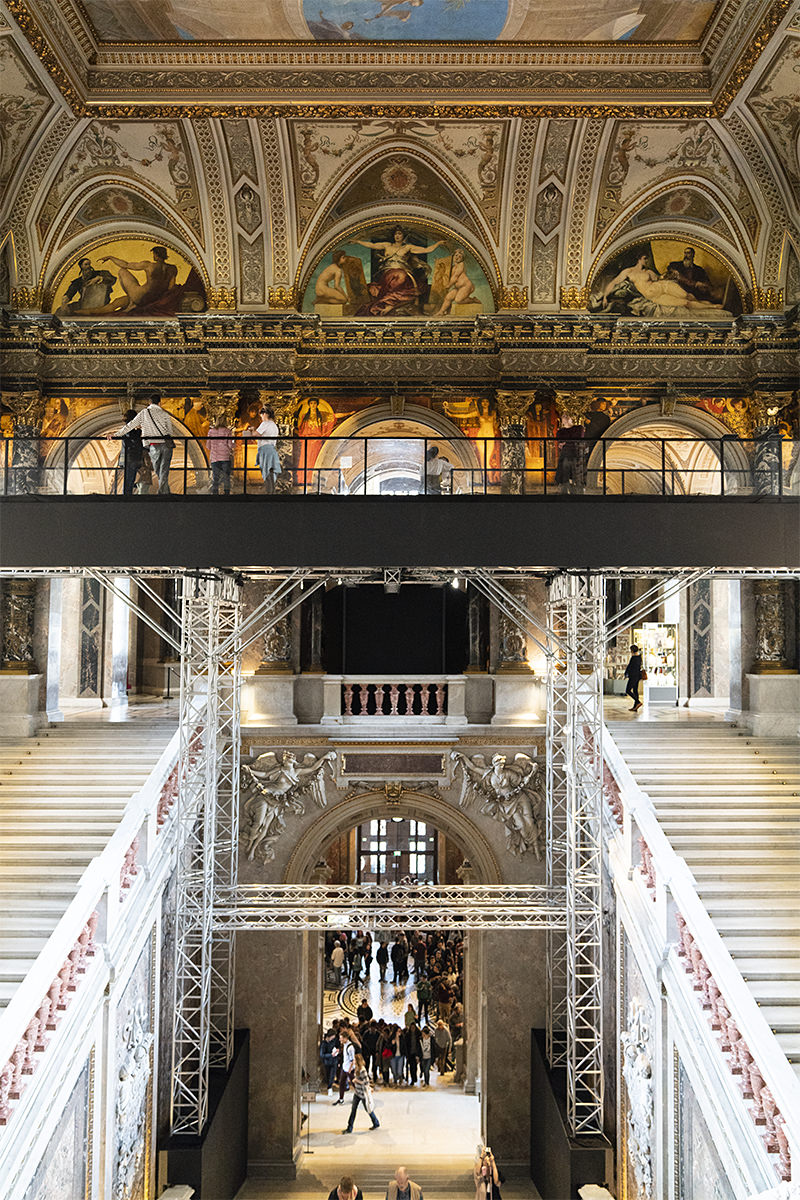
[
  {"x": 277, "y": 787},
  {"x": 509, "y": 792}
]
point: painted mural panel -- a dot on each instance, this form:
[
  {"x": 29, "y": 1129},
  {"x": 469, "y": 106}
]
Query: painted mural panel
[
  {"x": 155, "y": 153},
  {"x": 131, "y": 277},
  {"x": 776, "y": 104},
  {"x": 396, "y": 270},
  {"x": 642, "y": 153},
  {"x": 23, "y": 103},
  {"x": 133, "y": 1076},
  {"x": 665, "y": 278},
  {"x": 66, "y": 1163},
  {"x": 401, "y": 20},
  {"x": 699, "y": 1168}
]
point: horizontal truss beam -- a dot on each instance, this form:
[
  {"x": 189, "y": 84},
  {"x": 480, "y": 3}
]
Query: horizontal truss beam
[{"x": 322, "y": 906}]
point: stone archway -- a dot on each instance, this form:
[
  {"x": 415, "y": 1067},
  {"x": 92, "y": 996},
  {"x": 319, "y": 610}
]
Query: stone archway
[
  {"x": 395, "y": 452},
  {"x": 412, "y": 805},
  {"x": 630, "y": 450}
]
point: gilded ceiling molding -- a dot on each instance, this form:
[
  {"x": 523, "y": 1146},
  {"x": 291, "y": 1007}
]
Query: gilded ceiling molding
[
  {"x": 580, "y": 190},
  {"x": 278, "y": 226},
  {"x": 518, "y": 209},
  {"x": 756, "y": 43},
  {"x": 23, "y": 206},
  {"x": 478, "y": 227},
  {"x": 214, "y": 191},
  {"x": 771, "y": 257}
]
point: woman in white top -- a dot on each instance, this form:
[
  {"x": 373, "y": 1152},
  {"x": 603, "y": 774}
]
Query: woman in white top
[
  {"x": 267, "y": 456},
  {"x": 348, "y": 1063}
]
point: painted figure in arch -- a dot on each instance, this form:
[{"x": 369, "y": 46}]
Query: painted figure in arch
[
  {"x": 315, "y": 421},
  {"x": 400, "y": 279},
  {"x": 460, "y": 288},
  {"x": 159, "y": 278},
  {"x": 329, "y": 287},
  {"x": 660, "y": 292},
  {"x": 88, "y": 292}
]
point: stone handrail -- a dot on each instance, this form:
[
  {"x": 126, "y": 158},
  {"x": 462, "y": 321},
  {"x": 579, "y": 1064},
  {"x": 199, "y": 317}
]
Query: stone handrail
[
  {"x": 684, "y": 924},
  {"x": 94, "y": 915}
]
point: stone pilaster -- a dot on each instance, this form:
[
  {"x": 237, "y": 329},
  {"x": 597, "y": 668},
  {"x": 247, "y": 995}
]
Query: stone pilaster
[
  {"x": 512, "y": 655},
  {"x": 314, "y": 606},
  {"x": 477, "y": 628}
]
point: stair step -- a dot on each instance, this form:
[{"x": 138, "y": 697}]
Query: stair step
[
  {"x": 775, "y": 992},
  {"x": 782, "y": 1019},
  {"x": 790, "y": 1045},
  {"x": 764, "y": 969}
]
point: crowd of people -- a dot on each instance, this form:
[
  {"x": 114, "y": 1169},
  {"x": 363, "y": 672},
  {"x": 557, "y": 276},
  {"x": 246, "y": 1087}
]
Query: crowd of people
[
  {"x": 359, "y": 1055},
  {"x": 486, "y": 1174}
]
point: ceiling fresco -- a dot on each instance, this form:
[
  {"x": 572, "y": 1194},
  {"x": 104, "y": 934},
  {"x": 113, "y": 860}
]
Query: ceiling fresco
[{"x": 400, "y": 20}]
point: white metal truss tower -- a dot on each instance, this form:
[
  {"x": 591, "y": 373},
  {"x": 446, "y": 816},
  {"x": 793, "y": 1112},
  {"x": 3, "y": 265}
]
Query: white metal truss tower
[
  {"x": 575, "y": 724},
  {"x": 208, "y": 805}
]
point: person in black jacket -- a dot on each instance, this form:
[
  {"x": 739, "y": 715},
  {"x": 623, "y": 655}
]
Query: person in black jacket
[
  {"x": 132, "y": 454},
  {"x": 382, "y": 959},
  {"x": 346, "y": 1190},
  {"x": 633, "y": 674}
]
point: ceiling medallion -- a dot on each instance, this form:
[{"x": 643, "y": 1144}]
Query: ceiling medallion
[{"x": 399, "y": 179}]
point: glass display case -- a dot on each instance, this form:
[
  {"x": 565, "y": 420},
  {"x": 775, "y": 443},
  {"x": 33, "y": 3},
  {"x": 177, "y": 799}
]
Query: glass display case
[{"x": 658, "y": 642}]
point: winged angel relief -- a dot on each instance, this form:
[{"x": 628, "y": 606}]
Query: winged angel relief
[
  {"x": 509, "y": 792},
  {"x": 278, "y": 787}
]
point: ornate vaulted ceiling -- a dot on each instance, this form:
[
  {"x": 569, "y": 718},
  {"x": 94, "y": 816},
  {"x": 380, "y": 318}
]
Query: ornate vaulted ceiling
[
  {"x": 253, "y": 160},
  {"x": 350, "y": 57}
]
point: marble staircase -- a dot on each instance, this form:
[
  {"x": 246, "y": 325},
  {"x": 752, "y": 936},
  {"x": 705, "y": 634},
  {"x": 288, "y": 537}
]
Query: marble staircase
[
  {"x": 729, "y": 803},
  {"x": 62, "y": 795}
]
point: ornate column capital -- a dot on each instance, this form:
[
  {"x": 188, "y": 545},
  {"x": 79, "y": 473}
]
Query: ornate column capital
[
  {"x": 765, "y": 407},
  {"x": 285, "y": 405},
  {"x": 575, "y": 404},
  {"x": 27, "y": 411},
  {"x": 220, "y": 404},
  {"x": 512, "y": 407}
]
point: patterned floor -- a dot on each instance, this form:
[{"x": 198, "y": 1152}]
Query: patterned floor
[{"x": 387, "y": 1000}]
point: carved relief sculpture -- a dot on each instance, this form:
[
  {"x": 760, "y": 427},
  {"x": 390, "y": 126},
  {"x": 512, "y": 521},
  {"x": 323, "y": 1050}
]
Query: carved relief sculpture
[
  {"x": 18, "y": 606},
  {"x": 770, "y": 614},
  {"x": 637, "y": 1071},
  {"x": 509, "y": 792},
  {"x": 131, "y": 1104},
  {"x": 275, "y": 787}
]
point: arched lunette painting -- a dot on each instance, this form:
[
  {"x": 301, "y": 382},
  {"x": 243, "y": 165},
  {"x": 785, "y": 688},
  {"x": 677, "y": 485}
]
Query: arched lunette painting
[
  {"x": 135, "y": 277},
  {"x": 666, "y": 278},
  {"x": 398, "y": 269}
]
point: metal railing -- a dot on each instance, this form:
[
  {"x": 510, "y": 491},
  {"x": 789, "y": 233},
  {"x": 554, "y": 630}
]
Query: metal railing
[{"x": 403, "y": 466}]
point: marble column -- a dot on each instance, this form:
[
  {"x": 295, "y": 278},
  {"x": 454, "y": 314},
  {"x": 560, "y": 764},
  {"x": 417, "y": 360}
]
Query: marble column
[
  {"x": 53, "y": 685},
  {"x": 314, "y": 617},
  {"x": 477, "y": 626},
  {"x": 473, "y": 956},
  {"x": 19, "y": 605},
  {"x": 27, "y": 410},
  {"x": 512, "y": 409}
]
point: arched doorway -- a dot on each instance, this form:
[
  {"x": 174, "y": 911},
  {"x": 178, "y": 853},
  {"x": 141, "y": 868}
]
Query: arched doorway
[
  {"x": 92, "y": 461},
  {"x": 646, "y": 451},
  {"x": 378, "y": 453}
]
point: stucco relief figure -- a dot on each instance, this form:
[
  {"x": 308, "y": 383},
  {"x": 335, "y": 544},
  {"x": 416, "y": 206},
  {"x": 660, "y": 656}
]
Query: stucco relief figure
[
  {"x": 131, "y": 1104},
  {"x": 637, "y": 1071},
  {"x": 277, "y": 787},
  {"x": 508, "y": 792}
]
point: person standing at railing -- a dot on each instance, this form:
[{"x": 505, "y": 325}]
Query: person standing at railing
[
  {"x": 597, "y": 423},
  {"x": 267, "y": 458},
  {"x": 633, "y": 674},
  {"x": 132, "y": 455},
  {"x": 220, "y": 455},
  {"x": 568, "y": 468},
  {"x": 157, "y": 437}
]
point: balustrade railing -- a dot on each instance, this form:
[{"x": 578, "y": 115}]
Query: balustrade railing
[
  {"x": 689, "y": 940},
  {"x": 65, "y": 964},
  {"x": 405, "y": 466},
  {"x": 394, "y": 699}
]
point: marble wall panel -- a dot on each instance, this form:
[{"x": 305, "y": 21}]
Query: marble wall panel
[
  {"x": 133, "y": 1081},
  {"x": 699, "y": 1172},
  {"x": 637, "y": 1121}
]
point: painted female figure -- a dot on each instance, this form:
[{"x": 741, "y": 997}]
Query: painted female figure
[
  {"x": 395, "y": 289},
  {"x": 315, "y": 421}
]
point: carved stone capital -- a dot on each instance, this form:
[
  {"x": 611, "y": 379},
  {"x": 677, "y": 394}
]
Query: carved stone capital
[
  {"x": 765, "y": 407},
  {"x": 27, "y": 410},
  {"x": 27, "y": 299},
  {"x": 222, "y": 299},
  {"x": 574, "y": 404},
  {"x": 220, "y": 405},
  {"x": 513, "y": 298},
  {"x": 282, "y": 297},
  {"x": 512, "y": 407},
  {"x": 575, "y": 297},
  {"x": 765, "y": 299}
]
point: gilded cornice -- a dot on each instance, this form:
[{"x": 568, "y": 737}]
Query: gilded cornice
[{"x": 317, "y": 80}]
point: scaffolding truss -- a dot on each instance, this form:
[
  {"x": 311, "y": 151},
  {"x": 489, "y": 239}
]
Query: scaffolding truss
[
  {"x": 208, "y": 805},
  {"x": 575, "y": 759},
  {"x": 404, "y": 906}
]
